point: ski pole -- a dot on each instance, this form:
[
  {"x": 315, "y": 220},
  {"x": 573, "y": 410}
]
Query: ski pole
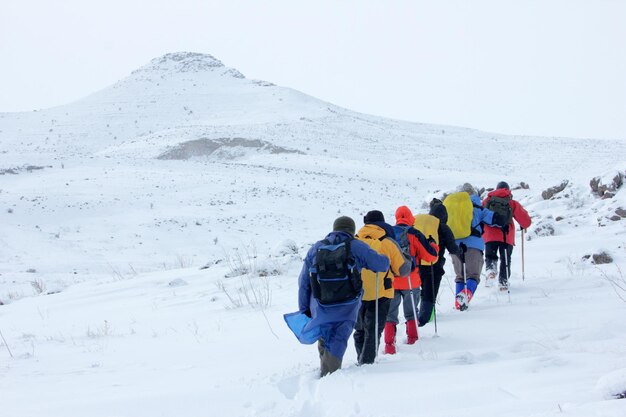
[
  {"x": 376, "y": 321},
  {"x": 523, "y": 238},
  {"x": 504, "y": 253},
  {"x": 412, "y": 301},
  {"x": 432, "y": 274},
  {"x": 6, "y": 344}
]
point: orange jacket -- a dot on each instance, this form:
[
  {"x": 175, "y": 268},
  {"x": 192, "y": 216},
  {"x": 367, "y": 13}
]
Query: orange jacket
[{"x": 420, "y": 249}]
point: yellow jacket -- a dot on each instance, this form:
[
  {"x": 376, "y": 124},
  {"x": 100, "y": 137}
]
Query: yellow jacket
[{"x": 371, "y": 235}]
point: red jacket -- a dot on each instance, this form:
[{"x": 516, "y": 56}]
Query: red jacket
[
  {"x": 418, "y": 250},
  {"x": 494, "y": 234}
]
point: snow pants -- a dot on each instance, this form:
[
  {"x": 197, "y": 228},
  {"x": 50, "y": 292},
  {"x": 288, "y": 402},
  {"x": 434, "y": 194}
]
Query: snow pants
[
  {"x": 492, "y": 249},
  {"x": 403, "y": 297},
  {"x": 473, "y": 265},
  {"x": 364, "y": 332},
  {"x": 431, "y": 280}
]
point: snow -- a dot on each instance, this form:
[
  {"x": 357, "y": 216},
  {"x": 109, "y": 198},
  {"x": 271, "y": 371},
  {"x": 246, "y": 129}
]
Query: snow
[{"x": 137, "y": 286}]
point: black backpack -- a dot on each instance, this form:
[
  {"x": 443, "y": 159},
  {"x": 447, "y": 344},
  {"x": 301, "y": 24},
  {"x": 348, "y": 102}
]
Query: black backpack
[
  {"x": 334, "y": 277},
  {"x": 502, "y": 206}
]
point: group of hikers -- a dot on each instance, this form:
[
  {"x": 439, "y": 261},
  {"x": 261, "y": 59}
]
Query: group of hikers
[{"x": 356, "y": 281}]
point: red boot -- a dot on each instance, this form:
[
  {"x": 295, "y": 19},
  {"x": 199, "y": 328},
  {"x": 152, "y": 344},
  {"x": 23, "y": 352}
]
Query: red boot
[
  {"x": 390, "y": 338},
  {"x": 411, "y": 332}
]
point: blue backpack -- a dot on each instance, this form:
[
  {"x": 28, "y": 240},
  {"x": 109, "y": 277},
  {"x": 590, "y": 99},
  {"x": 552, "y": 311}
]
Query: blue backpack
[{"x": 402, "y": 238}]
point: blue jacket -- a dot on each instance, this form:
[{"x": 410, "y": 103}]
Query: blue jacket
[
  {"x": 338, "y": 316},
  {"x": 480, "y": 215}
]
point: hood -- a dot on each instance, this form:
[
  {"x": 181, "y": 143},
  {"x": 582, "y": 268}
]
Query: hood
[
  {"x": 502, "y": 192},
  {"x": 440, "y": 212},
  {"x": 404, "y": 216}
]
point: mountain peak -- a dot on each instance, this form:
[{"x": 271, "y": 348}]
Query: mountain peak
[{"x": 183, "y": 62}]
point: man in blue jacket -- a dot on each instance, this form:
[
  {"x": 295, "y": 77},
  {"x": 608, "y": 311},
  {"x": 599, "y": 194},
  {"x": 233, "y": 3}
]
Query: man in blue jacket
[
  {"x": 332, "y": 324},
  {"x": 471, "y": 254}
]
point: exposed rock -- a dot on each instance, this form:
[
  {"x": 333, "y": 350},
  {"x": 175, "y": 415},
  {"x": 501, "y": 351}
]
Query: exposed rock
[
  {"x": 521, "y": 186},
  {"x": 601, "y": 258},
  {"x": 205, "y": 147},
  {"x": 552, "y": 191},
  {"x": 606, "y": 186},
  {"x": 559, "y": 218},
  {"x": 620, "y": 212}
]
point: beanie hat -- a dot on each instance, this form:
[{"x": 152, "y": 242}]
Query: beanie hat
[
  {"x": 373, "y": 216},
  {"x": 468, "y": 188},
  {"x": 344, "y": 224},
  {"x": 501, "y": 185}
]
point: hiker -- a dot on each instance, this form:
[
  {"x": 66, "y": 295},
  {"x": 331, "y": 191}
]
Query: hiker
[
  {"x": 466, "y": 215},
  {"x": 502, "y": 240},
  {"x": 377, "y": 288},
  {"x": 415, "y": 247},
  {"x": 432, "y": 273},
  {"x": 328, "y": 308}
]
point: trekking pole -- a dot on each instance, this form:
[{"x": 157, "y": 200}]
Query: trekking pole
[
  {"x": 461, "y": 307},
  {"x": 432, "y": 275},
  {"x": 413, "y": 301},
  {"x": 6, "y": 344},
  {"x": 523, "y": 238},
  {"x": 504, "y": 253},
  {"x": 376, "y": 321}
]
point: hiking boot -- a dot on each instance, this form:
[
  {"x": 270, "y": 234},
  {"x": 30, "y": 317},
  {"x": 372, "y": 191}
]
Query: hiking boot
[
  {"x": 411, "y": 332},
  {"x": 390, "y": 338},
  {"x": 504, "y": 285},
  {"x": 491, "y": 277},
  {"x": 462, "y": 300}
]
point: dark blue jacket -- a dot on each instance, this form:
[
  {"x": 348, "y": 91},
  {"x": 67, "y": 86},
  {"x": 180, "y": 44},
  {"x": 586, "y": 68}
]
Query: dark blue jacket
[{"x": 343, "y": 315}]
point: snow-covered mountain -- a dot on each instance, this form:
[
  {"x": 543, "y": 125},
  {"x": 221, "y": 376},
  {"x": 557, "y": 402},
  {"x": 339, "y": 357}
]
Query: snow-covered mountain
[{"x": 112, "y": 204}]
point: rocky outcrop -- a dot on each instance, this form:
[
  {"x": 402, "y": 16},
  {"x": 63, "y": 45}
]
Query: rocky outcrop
[
  {"x": 552, "y": 191},
  {"x": 607, "y": 185}
]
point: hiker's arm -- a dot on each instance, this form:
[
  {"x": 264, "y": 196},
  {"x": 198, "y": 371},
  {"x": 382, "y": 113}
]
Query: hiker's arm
[
  {"x": 447, "y": 239},
  {"x": 368, "y": 258},
  {"x": 426, "y": 250},
  {"x": 520, "y": 215}
]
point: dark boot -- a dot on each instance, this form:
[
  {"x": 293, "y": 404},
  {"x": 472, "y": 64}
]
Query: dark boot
[{"x": 426, "y": 311}]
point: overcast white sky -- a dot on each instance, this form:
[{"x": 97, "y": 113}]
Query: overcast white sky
[{"x": 540, "y": 67}]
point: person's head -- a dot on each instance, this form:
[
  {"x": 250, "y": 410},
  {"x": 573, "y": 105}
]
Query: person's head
[
  {"x": 468, "y": 188},
  {"x": 502, "y": 185},
  {"x": 344, "y": 224},
  {"x": 440, "y": 212},
  {"x": 373, "y": 217}
]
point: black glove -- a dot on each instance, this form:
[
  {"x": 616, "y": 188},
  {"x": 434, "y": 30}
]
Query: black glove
[
  {"x": 387, "y": 283},
  {"x": 307, "y": 313},
  {"x": 463, "y": 247}
]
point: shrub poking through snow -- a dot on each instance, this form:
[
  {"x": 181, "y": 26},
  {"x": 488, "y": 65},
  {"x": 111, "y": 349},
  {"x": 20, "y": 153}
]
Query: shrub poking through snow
[
  {"x": 601, "y": 258},
  {"x": 543, "y": 227}
]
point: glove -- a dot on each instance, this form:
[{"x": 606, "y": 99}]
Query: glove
[
  {"x": 463, "y": 247},
  {"x": 307, "y": 313},
  {"x": 387, "y": 283}
]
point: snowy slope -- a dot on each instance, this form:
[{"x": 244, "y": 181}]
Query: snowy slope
[{"x": 97, "y": 210}]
